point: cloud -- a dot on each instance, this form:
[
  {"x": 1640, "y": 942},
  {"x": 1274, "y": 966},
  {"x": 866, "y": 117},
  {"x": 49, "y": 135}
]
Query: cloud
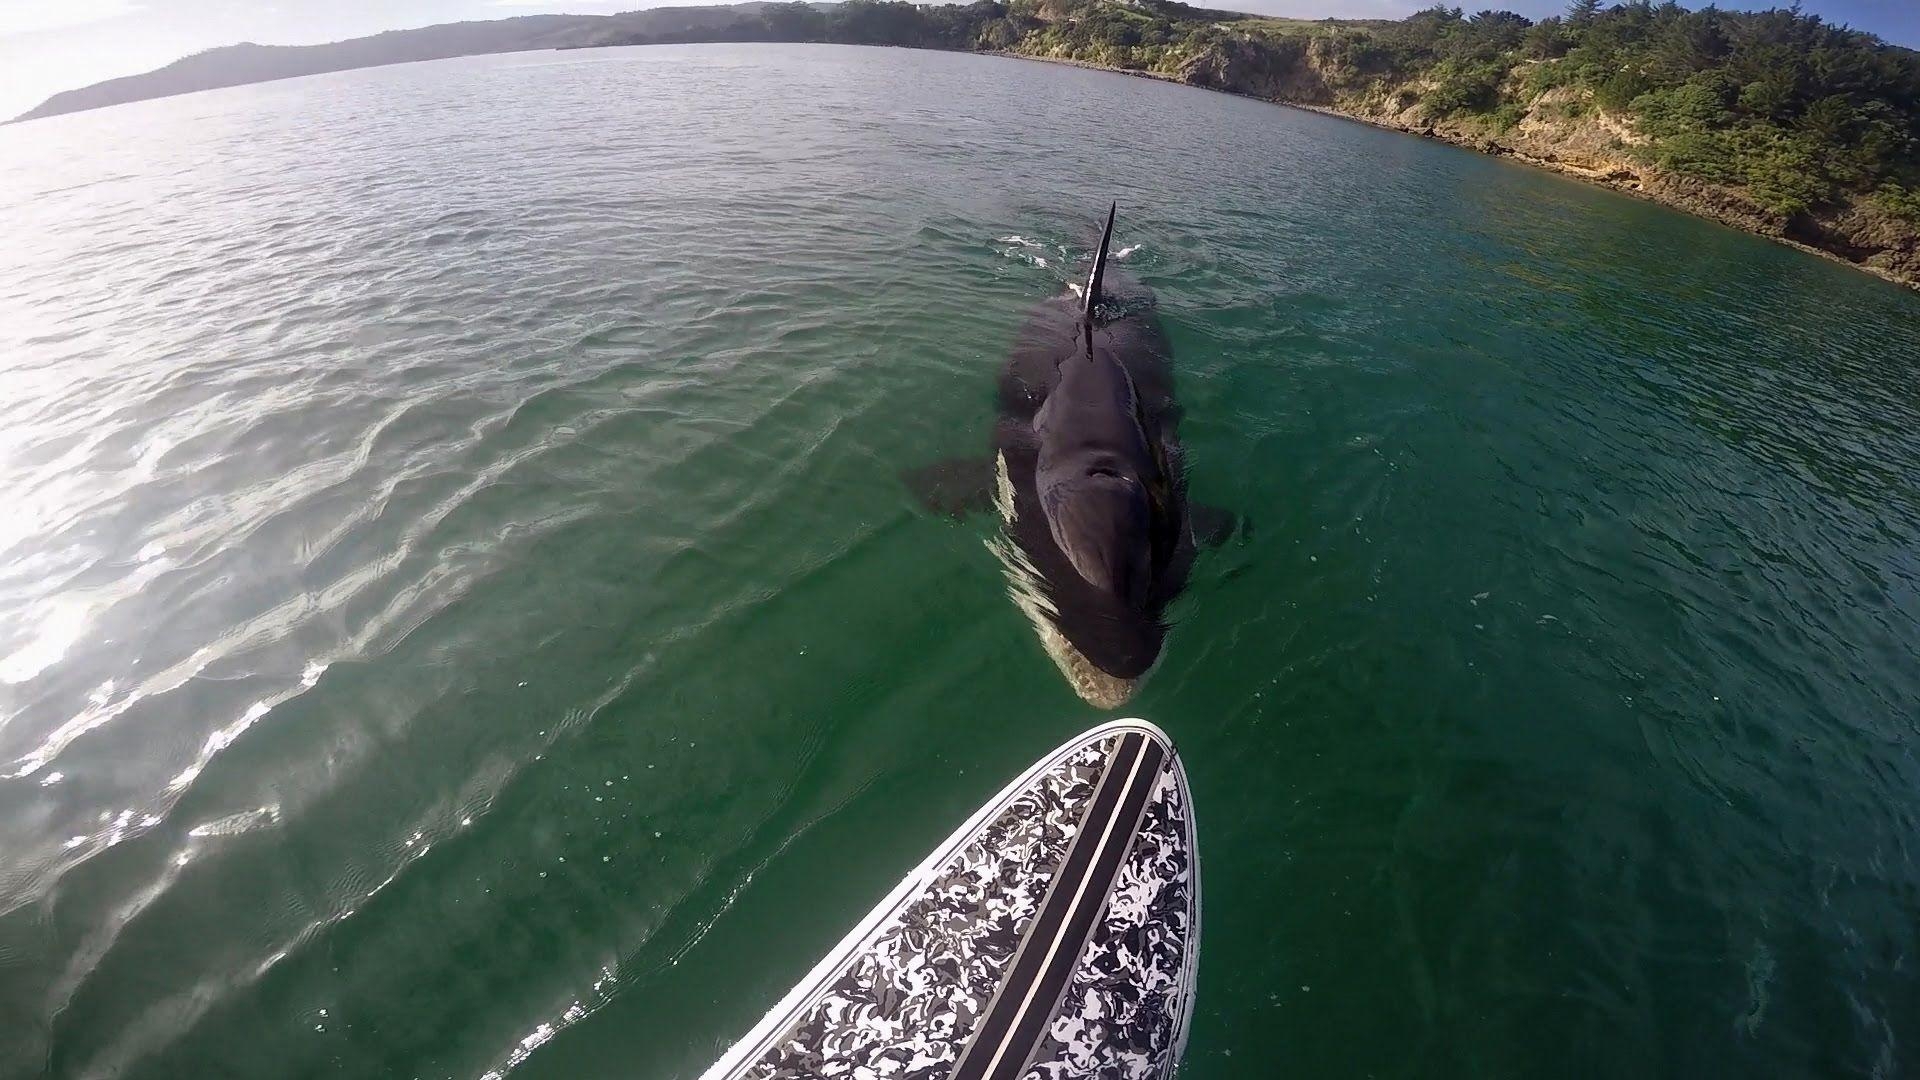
[{"x": 32, "y": 16}]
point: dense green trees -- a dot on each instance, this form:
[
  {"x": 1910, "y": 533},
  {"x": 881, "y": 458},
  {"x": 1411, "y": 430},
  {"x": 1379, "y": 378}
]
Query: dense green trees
[{"x": 1798, "y": 111}]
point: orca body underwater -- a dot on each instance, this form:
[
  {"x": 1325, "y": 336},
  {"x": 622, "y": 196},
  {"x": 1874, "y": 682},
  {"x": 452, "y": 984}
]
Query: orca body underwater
[{"x": 1089, "y": 478}]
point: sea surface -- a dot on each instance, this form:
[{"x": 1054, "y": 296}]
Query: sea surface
[{"x": 459, "y": 614}]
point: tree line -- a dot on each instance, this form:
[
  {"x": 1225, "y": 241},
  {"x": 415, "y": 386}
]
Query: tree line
[{"x": 1798, "y": 111}]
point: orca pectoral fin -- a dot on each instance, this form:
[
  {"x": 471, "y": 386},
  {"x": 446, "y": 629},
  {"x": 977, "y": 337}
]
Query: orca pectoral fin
[
  {"x": 955, "y": 487},
  {"x": 1213, "y": 526}
]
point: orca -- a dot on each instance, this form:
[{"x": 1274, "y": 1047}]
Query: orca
[{"x": 1088, "y": 475}]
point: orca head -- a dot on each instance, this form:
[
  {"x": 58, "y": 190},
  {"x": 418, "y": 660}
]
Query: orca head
[{"x": 1101, "y": 518}]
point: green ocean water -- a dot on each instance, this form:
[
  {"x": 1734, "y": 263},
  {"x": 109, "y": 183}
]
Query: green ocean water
[{"x": 459, "y": 614}]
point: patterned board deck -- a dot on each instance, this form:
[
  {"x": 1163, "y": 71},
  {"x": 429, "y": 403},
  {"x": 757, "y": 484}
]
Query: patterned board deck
[{"x": 1054, "y": 936}]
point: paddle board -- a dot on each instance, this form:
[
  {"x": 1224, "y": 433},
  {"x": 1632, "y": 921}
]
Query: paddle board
[{"x": 1054, "y": 935}]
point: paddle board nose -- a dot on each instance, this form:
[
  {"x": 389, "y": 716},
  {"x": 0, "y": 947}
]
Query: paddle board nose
[{"x": 1056, "y": 933}]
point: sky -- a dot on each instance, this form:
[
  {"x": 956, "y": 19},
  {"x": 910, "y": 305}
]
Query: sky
[{"x": 52, "y": 45}]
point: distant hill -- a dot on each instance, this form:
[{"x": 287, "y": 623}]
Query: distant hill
[{"x": 237, "y": 65}]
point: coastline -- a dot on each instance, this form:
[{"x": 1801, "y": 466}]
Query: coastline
[
  {"x": 1881, "y": 238},
  {"x": 1696, "y": 205}
]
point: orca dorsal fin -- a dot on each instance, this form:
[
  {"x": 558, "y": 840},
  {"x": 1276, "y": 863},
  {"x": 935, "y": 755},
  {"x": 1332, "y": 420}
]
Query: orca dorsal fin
[{"x": 1092, "y": 297}]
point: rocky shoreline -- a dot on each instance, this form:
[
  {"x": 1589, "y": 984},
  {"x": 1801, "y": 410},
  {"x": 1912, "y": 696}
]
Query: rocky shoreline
[{"x": 1830, "y": 236}]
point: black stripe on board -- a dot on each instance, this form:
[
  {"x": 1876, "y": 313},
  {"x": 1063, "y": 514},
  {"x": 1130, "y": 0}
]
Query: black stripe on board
[
  {"x": 1025, "y": 1003},
  {"x": 1053, "y": 982},
  {"x": 998, "y": 1016}
]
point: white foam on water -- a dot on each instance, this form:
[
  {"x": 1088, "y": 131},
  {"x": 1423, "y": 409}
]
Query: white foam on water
[
  {"x": 234, "y": 824},
  {"x": 1026, "y": 257}
]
